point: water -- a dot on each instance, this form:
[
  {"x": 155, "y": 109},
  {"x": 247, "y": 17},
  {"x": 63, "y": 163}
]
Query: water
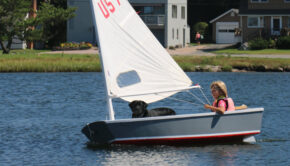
[{"x": 41, "y": 115}]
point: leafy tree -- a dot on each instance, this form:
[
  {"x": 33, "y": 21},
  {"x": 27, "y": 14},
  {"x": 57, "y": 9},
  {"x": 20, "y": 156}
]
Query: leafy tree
[
  {"x": 200, "y": 27},
  {"x": 16, "y": 24}
]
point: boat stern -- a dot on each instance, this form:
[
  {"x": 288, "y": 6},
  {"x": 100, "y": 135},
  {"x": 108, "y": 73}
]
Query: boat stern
[{"x": 98, "y": 132}]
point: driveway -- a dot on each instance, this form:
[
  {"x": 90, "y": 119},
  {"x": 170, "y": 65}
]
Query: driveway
[
  {"x": 205, "y": 50},
  {"x": 190, "y": 50},
  {"x": 200, "y": 50}
]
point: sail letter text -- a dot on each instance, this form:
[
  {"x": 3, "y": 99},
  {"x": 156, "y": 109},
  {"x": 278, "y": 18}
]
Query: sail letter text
[{"x": 105, "y": 7}]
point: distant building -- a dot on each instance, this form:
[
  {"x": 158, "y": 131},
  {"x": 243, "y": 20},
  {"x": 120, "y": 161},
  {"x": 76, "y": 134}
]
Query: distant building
[
  {"x": 264, "y": 18},
  {"x": 16, "y": 44},
  {"x": 167, "y": 19},
  {"x": 224, "y": 27},
  {"x": 255, "y": 18}
]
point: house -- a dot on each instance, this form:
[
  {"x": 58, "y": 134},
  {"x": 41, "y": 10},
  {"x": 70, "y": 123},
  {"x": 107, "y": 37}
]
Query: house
[
  {"x": 224, "y": 27},
  {"x": 16, "y": 44},
  {"x": 255, "y": 18},
  {"x": 264, "y": 18},
  {"x": 167, "y": 19}
]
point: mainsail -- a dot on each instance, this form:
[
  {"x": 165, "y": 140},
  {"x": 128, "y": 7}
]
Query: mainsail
[{"x": 135, "y": 64}]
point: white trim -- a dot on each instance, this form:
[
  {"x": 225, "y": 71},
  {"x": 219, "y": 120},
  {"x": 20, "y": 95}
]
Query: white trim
[
  {"x": 241, "y": 25},
  {"x": 185, "y": 136},
  {"x": 272, "y": 24},
  {"x": 225, "y": 13},
  {"x": 249, "y": 110}
]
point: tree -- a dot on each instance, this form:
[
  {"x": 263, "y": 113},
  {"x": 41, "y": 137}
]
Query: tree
[
  {"x": 16, "y": 24},
  {"x": 200, "y": 27}
]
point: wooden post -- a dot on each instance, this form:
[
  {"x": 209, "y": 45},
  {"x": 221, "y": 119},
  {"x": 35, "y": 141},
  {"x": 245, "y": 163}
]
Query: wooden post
[{"x": 32, "y": 14}]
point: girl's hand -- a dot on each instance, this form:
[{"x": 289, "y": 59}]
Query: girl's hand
[{"x": 206, "y": 106}]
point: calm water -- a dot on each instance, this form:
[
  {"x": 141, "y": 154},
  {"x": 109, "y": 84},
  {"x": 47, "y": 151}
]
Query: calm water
[{"x": 41, "y": 115}]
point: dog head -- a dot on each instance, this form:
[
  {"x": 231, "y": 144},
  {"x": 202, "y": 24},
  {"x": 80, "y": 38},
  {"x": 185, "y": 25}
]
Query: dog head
[{"x": 138, "y": 108}]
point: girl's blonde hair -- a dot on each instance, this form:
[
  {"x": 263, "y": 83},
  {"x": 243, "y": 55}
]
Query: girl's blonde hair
[{"x": 220, "y": 86}]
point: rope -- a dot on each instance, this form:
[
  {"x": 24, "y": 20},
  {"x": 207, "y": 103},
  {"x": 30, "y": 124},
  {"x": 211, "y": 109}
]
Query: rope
[
  {"x": 173, "y": 98},
  {"x": 204, "y": 96},
  {"x": 196, "y": 97}
]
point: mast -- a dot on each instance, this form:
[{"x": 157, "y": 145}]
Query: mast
[{"x": 109, "y": 99}]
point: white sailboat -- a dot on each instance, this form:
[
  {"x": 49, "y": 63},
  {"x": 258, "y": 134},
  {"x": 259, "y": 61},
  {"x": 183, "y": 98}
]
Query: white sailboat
[{"x": 137, "y": 67}]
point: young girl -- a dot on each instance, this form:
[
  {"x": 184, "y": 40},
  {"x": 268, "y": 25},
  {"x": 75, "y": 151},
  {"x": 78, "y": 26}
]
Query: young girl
[{"x": 222, "y": 103}]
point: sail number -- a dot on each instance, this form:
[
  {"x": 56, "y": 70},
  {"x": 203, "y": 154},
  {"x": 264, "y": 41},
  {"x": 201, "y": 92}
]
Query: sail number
[{"x": 107, "y": 7}]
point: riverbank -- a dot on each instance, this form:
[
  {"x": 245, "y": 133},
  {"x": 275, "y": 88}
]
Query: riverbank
[{"x": 38, "y": 61}]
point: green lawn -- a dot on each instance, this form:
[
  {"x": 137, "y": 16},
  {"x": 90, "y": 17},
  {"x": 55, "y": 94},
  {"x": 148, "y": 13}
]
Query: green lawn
[
  {"x": 265, "y": 51},
  {"x": 32, "y": 61}
]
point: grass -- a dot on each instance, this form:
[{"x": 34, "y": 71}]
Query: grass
[
  {"x": 265, "y": 51},
  {"x": 33, "y": 61},
  {"x": 188, "y": 63}
]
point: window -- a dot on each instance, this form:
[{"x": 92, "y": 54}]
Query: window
[
  {"x": 177, "y": 34},
  {"x": 128, "y": 78},
  {"x": 259, "y": 1},
  {"x": 172, "y": 33},
  {"x": 148, "y": 10},
  {"x": 174, "y": 11},
  {"x": 255, "y": 22},
  {"x": 183, "y": 12}
]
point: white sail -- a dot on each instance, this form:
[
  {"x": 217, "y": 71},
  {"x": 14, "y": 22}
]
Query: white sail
[{"x": 135, "y": 64}]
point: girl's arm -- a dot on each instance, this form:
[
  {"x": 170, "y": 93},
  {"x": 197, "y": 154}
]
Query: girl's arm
[{"x": 215, "y": 109}]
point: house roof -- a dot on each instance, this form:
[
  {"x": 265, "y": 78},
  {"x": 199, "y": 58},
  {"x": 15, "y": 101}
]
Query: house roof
[
  {"x": 244, "y": 10},
  {"x": 225, "y": 13}
]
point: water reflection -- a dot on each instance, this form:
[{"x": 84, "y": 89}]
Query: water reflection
[{"x": 221, "y": 155}]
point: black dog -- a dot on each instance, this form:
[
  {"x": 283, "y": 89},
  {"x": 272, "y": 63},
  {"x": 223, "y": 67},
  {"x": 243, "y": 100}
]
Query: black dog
[{"x": 139, "y": 110}]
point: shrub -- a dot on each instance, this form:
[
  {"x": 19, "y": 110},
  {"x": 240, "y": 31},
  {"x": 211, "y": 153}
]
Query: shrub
[
  {"x": 283, "y": 42},
  {"x": 227, "y": 68},
  {"x": 258, "y": 44},
  {"x": 171, "y": 47},
  {"x": 74, "y": 46},
  {"x": 271, "y": 43}
]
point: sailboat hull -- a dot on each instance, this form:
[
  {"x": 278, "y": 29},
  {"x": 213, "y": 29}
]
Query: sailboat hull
[{"x": 190, "y": 128}]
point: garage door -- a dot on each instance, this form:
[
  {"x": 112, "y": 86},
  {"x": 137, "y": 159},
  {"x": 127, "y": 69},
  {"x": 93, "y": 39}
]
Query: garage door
[{"x": 225, "y": 32}]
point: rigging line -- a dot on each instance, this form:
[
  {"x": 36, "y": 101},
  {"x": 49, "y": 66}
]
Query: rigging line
[
  {"x": 195, "y": 97},
  {"x": 173, "y": 98},
  {"x": 204, "y": 96}
]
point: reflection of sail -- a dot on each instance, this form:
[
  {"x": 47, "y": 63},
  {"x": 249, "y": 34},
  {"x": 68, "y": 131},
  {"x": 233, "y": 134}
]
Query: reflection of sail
[{"x": 134, "y": 62}]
